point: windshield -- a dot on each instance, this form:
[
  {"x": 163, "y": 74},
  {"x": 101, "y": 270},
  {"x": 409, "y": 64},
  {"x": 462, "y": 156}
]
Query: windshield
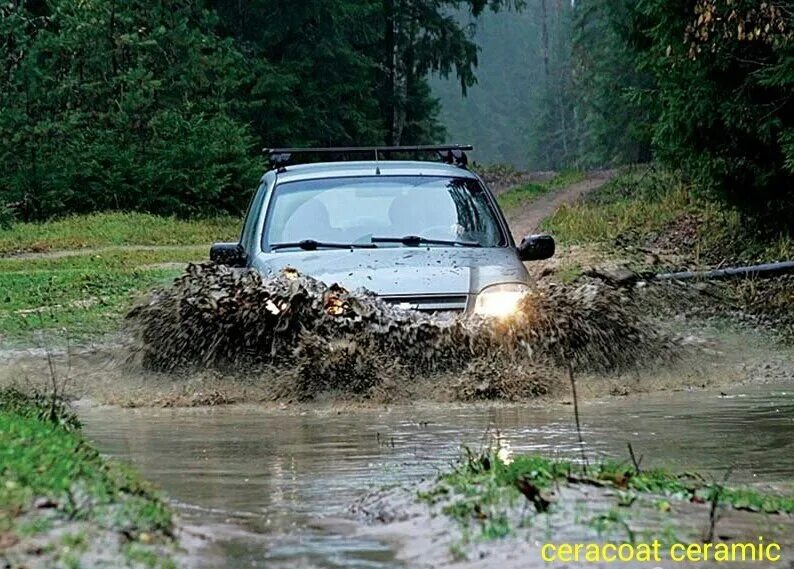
[{"x": 354, "y": 210}]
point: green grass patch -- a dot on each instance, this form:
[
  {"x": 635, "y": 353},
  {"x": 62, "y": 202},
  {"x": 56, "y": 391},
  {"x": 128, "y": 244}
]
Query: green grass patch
[
  {"x": 45, "y": 458},
  {"x": 78, "y": 304},
  {"x": 521, "y": 195},
  {"x": 644, "y": 202},
  {"x": 106, "y": 260},
  {"x": 41, "y": 459},
  {"x": 116, "y": 229},
  {"x": 635, "y": 201},
  {"x": 481, "y": 489},
  {"x": 82, "y": 295}
]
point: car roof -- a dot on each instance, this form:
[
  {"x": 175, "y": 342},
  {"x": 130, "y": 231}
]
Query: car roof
[{"x": 368, "y": 168}]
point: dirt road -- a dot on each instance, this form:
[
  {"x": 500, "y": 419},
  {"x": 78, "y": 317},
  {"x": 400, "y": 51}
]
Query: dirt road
[{"x": 526, "y": 220}]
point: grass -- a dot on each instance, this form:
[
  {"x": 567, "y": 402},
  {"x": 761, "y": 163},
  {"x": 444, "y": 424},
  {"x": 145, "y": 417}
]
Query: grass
[
  {"x": 522, "y": 195},
  {"x": 643, "y": 202},
  {"x": 45, "y": 457},
  {"x": 82, "y": 294},
  {"x": 78, "y": 304},
  {"x": 114, "y": 230},
  {"x": 482, "y": 489}
]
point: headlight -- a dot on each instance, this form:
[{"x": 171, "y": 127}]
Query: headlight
[{"x": 500, "y": 301}]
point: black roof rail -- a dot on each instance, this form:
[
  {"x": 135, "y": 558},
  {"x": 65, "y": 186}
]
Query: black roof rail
[{"x": 448, "y": 153}]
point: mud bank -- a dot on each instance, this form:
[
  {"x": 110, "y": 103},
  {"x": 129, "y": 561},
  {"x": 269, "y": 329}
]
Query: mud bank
[
  {"x": 487, "y": 512},
  {"x": 62, "y": 505}
]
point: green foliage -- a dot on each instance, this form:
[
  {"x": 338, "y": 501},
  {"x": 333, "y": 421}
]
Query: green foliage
[
  {"x": 145, "y": 106},
  {"x": 315, "y": 69},
  {"x": 707, "y": 82},
  {"x": 724, "y": 73},
  {"x": 6, "y": 217},
  {"x": 120, "y": 106}
]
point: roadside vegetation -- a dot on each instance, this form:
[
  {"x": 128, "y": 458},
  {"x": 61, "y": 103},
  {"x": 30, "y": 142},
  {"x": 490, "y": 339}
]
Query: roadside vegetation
[
  {"x": 114, "y": 230},
  {"x": 650, "y": 208},
  {"x": 651, "y": 220},
  {"x": 73, "y": 279},
  {"x": 64, "y": 505}
]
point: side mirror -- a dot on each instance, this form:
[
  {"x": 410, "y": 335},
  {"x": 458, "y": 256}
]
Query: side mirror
[
  {"x": 536, "y": 248},
  {"x": 229, "y": 254}
]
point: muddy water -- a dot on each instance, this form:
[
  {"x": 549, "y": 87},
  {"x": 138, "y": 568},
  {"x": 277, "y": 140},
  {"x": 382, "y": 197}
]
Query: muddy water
[{"x": 278, "y": 474}]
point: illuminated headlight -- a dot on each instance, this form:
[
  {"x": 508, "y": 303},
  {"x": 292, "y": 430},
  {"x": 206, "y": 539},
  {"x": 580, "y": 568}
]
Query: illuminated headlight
[{"x": 500, "y": 301}]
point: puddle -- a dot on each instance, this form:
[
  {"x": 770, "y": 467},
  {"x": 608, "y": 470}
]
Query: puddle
[{"x": 276, "y": 473}]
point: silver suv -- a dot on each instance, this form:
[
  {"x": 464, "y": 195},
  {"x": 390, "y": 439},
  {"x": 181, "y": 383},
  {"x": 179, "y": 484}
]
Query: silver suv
[{"x": 424, "y": 235}]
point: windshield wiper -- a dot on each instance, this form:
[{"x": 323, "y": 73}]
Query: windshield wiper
[
  {"x": 312, "y": 245},
  {"x": 416, "y": 241}
]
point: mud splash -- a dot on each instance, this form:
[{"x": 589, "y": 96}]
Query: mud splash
[{"x": 328, "y": 339}]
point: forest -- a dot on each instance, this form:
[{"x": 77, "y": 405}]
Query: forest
[{"x": 164, "y": 107}]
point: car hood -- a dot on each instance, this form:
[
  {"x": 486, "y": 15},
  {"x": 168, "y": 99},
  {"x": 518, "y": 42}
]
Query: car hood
[{"x": 402, "y": 270}]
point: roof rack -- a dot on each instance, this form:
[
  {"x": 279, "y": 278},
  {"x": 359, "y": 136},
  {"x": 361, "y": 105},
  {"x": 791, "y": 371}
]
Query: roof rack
[{"x": 450, "y": 153}]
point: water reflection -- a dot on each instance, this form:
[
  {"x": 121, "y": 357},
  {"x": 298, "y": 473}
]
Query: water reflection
[{"x": 275, "y": 472}]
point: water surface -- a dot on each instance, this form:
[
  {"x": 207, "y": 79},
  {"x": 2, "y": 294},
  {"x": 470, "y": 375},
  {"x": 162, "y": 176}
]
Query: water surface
[{"x": 276, "y": 472}]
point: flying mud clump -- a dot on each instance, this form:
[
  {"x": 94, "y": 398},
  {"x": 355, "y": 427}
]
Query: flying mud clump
[
  {"x": 217, "y": 317},
  {"x": 334, "y": 340}
]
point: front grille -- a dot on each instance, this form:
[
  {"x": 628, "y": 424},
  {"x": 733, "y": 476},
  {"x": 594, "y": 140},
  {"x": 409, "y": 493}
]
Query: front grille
[{"x": 429, "y": 303}]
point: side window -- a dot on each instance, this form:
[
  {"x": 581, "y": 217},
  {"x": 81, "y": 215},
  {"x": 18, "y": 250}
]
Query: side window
[{"x": 251, "y": 219}]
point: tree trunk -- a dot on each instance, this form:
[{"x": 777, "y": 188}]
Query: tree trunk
[
  {"x": 545, "y": 37},
  {"x": 391, "y": 67}
]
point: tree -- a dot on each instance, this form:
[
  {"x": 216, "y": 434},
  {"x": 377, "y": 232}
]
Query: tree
[
  {"x": 616, "y": 100},
  {"x": 423, "y": 37},
  {"x": 120, "y": 105},
  {"x": 164, "y": 107},
  {"x": 724, "y": 71},
  {"x": 315, "y": 69}
]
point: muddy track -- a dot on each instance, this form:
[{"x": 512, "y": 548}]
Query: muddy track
[
  {"x": 62, "y": 253},
  {"x": 526, "y": 220}
]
